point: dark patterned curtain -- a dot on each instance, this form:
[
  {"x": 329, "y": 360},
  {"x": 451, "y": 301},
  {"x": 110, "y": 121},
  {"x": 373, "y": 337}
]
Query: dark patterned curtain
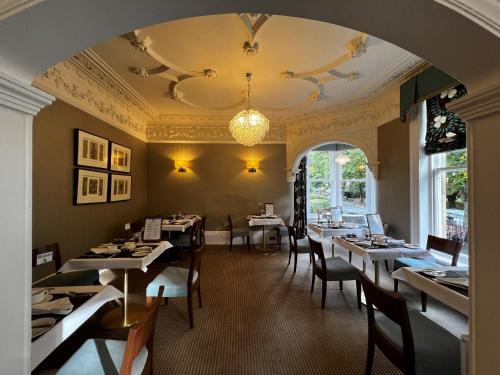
[
  {"x": 300, "y": 199},
  {"x": 445, "y": 130}
]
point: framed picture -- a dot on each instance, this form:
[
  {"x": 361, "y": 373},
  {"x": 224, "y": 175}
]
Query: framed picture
[
  {"x": 375, "y": 224},
  {"x": 337, "y": 214},
  {"x": 90, "y": 186},
  {"x": 120, "y": 158},
  {"x": 91, "y": 150},
  {"x": 152, "y": 229},
  {"x": 269, "y": 209},
  {"x": 121, "y": 186}
]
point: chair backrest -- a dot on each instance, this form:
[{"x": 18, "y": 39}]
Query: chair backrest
[
  {"x": 393, "y": 306},
  {"x": 317, "y": 249},
  {"x": 196, "y": 257},
  {"x": 140, "y": 335},
  {"x": 446, "y": 246},
  {"x": 202, "y": 229},
  {"x": 46, "y": 254},
  {"x": 194, "y": 236},
  {"x": 230, "y": 224},
  {"x": 292, "y": 237},
  {"x": 137, "y": 226},
  {"x": 375, "y": 225}
]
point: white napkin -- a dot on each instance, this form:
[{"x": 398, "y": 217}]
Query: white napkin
[
  {"x": 61, "y": 306},
  {"x": 105, "y": 250}
]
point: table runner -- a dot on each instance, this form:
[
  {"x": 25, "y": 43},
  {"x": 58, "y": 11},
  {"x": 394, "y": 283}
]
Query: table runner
[{"x": 116, "y": 262}]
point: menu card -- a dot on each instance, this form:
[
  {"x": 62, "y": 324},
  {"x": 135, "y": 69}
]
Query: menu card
[{"x": 152, "y": 229}]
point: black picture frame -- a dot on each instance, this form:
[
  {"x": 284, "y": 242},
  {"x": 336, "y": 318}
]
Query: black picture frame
[
  {"x": 86, "y": 181},
  {"x": 115, "y": 160},
  {"x": 114, "y": 189},
  {"x": 90, "y": 150}
]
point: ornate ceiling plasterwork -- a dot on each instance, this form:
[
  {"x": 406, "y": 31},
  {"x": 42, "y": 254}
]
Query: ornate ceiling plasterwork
[
  {"x": 88, "y": 83},
  {"x": 9, "y": 8},
  {"x": 176, "y": 74}
]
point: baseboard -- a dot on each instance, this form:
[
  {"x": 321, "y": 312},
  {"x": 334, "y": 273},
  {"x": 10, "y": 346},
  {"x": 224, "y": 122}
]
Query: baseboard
[{"x": 221, "y": 237}]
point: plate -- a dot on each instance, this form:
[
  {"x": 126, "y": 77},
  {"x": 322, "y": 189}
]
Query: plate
[
  {"x": 41, "y": 325},
  {"x": 433, "y": 272},
  {"x": 351, "y": 239},
  {"x": 411, "y": 245},
  {"x": 139, "y": 254}
]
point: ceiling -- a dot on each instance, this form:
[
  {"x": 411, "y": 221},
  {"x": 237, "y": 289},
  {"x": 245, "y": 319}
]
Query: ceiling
[{"x": 197, "y": 66}]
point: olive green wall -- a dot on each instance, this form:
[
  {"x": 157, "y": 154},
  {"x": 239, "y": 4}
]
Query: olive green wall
[
  {"x": 217, "y": 182},
  {"x": 393, "y": 185},
  {"x": 55, "y": 218}
]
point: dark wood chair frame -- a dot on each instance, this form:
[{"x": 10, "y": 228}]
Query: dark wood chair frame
[
  {"x": 292, "y": 237},
  {"x": 203, "y": 225},
  {"x": 142, "y": 334},
  {"x": 445, "y": 245},
  {"x": 317, "y": 249},
  {"x": 394, "y": 307},
  {"x": 230, "y": 224},
  {"x": 192, "y": 286}
]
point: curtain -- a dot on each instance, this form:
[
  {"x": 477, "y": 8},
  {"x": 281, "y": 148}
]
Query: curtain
[
  {"x": 300, "y": 199},
  {"x": 445, "y": 130}
]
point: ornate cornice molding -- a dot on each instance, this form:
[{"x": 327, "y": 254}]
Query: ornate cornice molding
[
  {"x": 10, "y": 8},
  {"x": 476, "y": 105},
  {"x": 88, "y": 83},
  {"x": 21, "y": 97}
]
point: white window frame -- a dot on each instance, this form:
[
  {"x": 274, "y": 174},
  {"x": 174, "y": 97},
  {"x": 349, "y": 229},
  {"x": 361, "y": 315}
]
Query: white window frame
[
  {"x": 335, "y": 181},
  {"x": 424, "y": 171}
]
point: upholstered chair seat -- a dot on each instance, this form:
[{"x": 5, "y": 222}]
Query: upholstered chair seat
[
  {"x": 337, "y": 269},
  {"x": 174, "y": 280},
  {"x": 102, "y": 357}
]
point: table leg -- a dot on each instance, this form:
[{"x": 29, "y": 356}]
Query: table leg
[
  {"x": 264, "y": 237},
  {"x": 126, "y": 315},
  {"x": 377, "y": 272}
]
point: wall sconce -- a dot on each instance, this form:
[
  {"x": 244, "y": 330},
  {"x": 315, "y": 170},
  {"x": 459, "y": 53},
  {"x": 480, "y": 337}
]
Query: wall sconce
[
  {"x": 252, "y": 166},
  {"x": 181, "y": 165}
]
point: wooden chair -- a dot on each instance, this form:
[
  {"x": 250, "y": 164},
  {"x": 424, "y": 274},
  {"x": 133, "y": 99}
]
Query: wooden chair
[
  {"x": 237, "y": 233},
  {"x": 412, "y": 342},
  {"x": 51, "y": 254},
  {"x": 433, "y": 243},
  {"x": 180, "y": 282},
  {"x": 190, "y": 240},
  {"x": 134, "y": 356},
  {"x": 297, "y": 247},
  {"x": 332, "y": 269}
]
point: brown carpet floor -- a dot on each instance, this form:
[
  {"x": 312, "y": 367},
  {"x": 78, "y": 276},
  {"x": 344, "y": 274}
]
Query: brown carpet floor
[{"x": 259, "y": 318}]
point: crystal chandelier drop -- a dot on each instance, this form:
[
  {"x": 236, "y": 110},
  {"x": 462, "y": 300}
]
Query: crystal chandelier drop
[
  {"x": 342, "y": 159},
  {"x": 249, "y": 126}
]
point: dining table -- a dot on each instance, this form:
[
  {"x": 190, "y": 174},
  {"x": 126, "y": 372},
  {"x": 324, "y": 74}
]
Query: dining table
[
  {"x": 264, "y": 221},
  {"x": 179, "y": 223},
  {"x": 325, "y": 230},
  {"x": 372, "y": 253},
  {"x": 456, "y": 297},
  {"x": 124, "y": 260},
  {"x": 94, "y": 297}
]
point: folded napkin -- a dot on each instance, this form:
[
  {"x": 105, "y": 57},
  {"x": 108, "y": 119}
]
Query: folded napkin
[
  {"x": 61, "y": 306},
  {"x": 105, "y": 250}
]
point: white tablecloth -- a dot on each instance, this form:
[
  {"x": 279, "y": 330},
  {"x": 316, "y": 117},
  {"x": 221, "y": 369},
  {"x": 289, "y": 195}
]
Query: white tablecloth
[
  {"x": 50, "y": 340},
  {"x": 325, "y": 231},
  {"x": 257, "y": 221},
  {"x": 440, "y": 292},
  {"x": 369, "y": 255},
  {"x": 116, "y": 263},
  {"x": 170, "y": 227}
]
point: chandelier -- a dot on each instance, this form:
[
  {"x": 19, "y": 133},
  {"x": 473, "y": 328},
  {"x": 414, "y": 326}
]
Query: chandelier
[
  {"x": 342, "y": 159},
  {"x": 249, "y": 126}
]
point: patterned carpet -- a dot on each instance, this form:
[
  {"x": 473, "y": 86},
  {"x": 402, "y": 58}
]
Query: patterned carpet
[{"x": 258, "y": 318}]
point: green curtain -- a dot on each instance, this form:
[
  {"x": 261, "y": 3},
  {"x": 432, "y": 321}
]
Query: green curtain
[
  {"x": 300, "y": 199},
  {"x": 445, "y": 130}
]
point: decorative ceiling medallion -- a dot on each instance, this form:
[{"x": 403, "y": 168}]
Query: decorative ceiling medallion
[{"x": 253, "y": 22}]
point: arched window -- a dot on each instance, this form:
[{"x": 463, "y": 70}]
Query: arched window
[{"x": 337, "y": 176}]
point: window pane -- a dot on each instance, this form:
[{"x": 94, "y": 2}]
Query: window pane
[
  {"x": 319, "y": 195},
  {"x": 356, "y": 167},
  {"x": 456, "y": 158},
  {"x": 456, "y": 207},
  {"x": 319, "y": 166},
  {"x": 354, "y": 196}
]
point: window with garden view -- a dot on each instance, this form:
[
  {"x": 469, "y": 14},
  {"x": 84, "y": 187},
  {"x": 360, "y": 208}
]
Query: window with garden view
[
  {"x": 337, "y": 178},
  {"x": 449, "y": 173}
]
